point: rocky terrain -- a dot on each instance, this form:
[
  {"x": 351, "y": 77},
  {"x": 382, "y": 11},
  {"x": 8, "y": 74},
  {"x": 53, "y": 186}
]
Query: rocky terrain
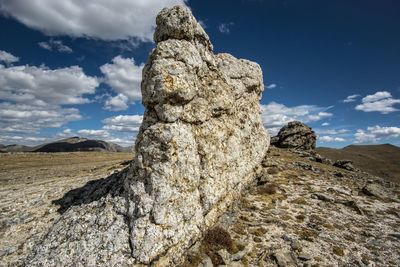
[
  {"x": 201, "y": 189},
  {"x": 305, "y": 213},
  {"x": 380, "y": 160},
  {"x": 35, "y": 189},
  {"x": 71, "y": 144},
  {"x": 297, "y": 211}
]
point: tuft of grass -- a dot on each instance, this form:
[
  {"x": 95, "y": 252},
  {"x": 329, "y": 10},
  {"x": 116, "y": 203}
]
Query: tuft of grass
[
  {"x": 307, "y": 234},
  {"x": 300, "y": 201},
  {"x": 273, "y": 170},
  {"x": 338, "y": 251},
  {"x": 267, "y": 189},
  {"x": 300, "y": 218},
  {"x": 215, "y": 239},
  {"x": 219, "y": 238}
]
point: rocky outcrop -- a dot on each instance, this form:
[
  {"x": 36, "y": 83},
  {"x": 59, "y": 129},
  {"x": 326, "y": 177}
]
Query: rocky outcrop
[
  {"x": 201, "y": 138},
  {"x": 295, "y": 135},
  {"x": 345, "y": 164}
]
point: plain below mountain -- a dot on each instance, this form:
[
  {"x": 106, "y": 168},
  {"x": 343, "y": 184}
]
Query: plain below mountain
[{"x": 380, "y": 160}]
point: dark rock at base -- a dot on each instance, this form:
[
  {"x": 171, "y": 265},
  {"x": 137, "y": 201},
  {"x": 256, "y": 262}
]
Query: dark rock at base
[{"x": 345, "y": 164}]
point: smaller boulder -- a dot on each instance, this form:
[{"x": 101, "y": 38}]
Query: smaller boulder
[
  {"x": 376, "y": 190},
  {"x": 295, "y": 135},
  {"x": 345, "y": 164}
]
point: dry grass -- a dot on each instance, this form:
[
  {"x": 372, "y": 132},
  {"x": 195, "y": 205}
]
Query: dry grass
[{"x": 267, "y": 189}]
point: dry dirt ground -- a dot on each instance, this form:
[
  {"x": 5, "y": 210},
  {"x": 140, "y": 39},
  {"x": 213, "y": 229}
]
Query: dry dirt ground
[
  {"x": 31, "y": 184},
  {"x": 298, "y": 212}
]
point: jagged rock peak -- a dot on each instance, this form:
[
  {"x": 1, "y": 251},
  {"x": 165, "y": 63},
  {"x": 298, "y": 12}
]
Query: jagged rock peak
[
  {"x": 179, "y": 23},
  {"x": 295, "y": 135}
]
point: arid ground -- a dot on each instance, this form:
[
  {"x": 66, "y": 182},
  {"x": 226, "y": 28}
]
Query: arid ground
[
  {"x": 298, "y": 212},
  {"x": 31, "y": 182}
]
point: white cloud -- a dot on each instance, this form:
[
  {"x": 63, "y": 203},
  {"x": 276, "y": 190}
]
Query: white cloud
[
  {"x": 277, "y": 115},
  {"x": 34, "y": 98},
  {"x": 21, "y": 118},
  {"x": 350, "y": 98},
  {"x": 7, "y": 57},
  {"x": 271, "y": 86},
  {"x": 328, "y": 139},
  {"x": 43, "y": 86},
  {"x": 225, "y": 27},
  {"x": 123, "y": 123},
  {"x": 382, "y": 102},
  {"x": 94, "y": 133},
  {"x": 376, "y": 97},
  {"x": 332, "y": 131},
  {"x": 325, "y": 124},
  {"x": 124, "y": 77},
  {"x": 103, "y": 19},
  {"x": 202, "y": 23},
  {"x": 117, "y": 103},
  {"x": 376, "y": 133},
  {"x": 55, "y": 45}
]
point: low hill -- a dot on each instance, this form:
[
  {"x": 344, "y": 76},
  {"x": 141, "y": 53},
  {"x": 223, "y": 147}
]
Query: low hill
[
  {"x": 80, "y": 144},
  {"x": 71, "y": 144},
  {"x": 15, "y": 148},
  {"x": 380, "y": 160}
]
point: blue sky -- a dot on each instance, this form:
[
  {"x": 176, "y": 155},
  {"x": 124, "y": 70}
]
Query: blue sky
[{"x": 72, "y": 68}]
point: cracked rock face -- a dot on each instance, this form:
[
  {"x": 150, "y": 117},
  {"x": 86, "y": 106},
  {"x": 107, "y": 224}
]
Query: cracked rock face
[
  {"x": 201, "y": 137},
  {"x": 199, "y": 143},
  {"x": 295, "y": 135}
]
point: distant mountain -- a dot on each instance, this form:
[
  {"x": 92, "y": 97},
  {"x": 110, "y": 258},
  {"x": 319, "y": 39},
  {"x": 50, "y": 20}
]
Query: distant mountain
[
  {"x": 380, "y": 160},
  {"x": 15, "y": 148},
  {"x": 71, "y": 144}
]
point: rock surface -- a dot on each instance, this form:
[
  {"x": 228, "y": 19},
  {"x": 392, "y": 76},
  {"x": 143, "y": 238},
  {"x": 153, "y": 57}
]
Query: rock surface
[
  {"x": 345, "y": 164},
  {"x": 200, "y": 141},
  {"x": 308, "y": 217},
  {"x": 295, "y": 135}
]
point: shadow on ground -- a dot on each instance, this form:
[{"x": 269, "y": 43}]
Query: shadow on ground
[{"x": 92, "y": 191}]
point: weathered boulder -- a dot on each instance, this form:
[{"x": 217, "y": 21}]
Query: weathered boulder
[
  {"x": 295, "y": 135},
  {"x": 201, "y": 139},
  {"x": 345, "y": 164}
]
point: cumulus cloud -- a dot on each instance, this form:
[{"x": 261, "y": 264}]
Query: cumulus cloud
[
  {"x": 332, "y": 131},
  {"x": 101, "y": 134},
  {"x": 329, "y": 139},
  {"x": 325, "y": 124},
  {"x": 271, "y": 86},
  {"x": 43, "y": 86},
  {"x": 55, "y": 45},
  {"x": 225, "y": 28},
  {"x": 103, "y": 19},
  {"x": 375, "y": 133},
  {"x": 21, "y": 118},
  {"x": 124, "y": 77},
  {"x": 33, "y": 98},
  {"x": 350, "y": 98},
  {"x": 7, "y": 57},
  {"x": 277, "y": 115},
  {"x": 123, "y": 123},
  {"x": 121, "y": 129},
  {"x": 382, "y": 102}
]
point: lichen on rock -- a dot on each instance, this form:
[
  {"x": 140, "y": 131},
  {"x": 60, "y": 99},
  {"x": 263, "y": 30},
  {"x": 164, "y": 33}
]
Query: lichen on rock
[{"x": 200, "y": 140}]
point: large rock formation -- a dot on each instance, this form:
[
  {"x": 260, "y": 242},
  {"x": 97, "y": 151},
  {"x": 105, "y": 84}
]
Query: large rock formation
[
  {"x": 295, "y": 135},
  {"x": 200, "y": 140}
]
